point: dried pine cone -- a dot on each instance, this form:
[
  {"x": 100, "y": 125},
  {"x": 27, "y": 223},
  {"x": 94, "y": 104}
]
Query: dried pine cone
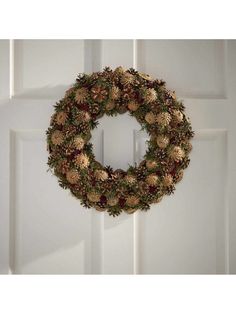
[
  {"x": 167, "y": 180},
  {"x": 94, "y": 108},
  {"x": 144, "y": 187},
  {"x": 63, "y": 166},
  {"x": 101, "y": 175},
  {"x": 128, "y": 93},
  {"x": 170, "y": 189},
  {"x": 149, "y": 198},
  {"x": 84, "y": 128},
  {"x": 133, "y": 106},
  {"x": 150, "y": 95},
  {"x": 61, "y": 118},
  {"x": 187, "y": 147},
  {"x": 163, "y": 118},
  {"x": 119, "y": 70},
  {"x": 141, "y": 173},
  {"x": 146, "y": 77},
  {"x": 130, "y": 179},
  {"x": 132, "y": 201},
  {"x": 160, "y": 154},
  {"x": 162, "y": 141},
  {"x": 150, "y": 118},
  {"x": 100, "y": 207},
  {"x": 57, "y": 137},
  {"x": 127, "y": 79},
  {"x": 72, "y": 176},
  {"x": 99, "y": 93},
  {"x": 145, "y": 207},
  {"x": 113, "y": 201},
  {"x": 82, "y": 161},
  {"x": 157, "y": 199},
  {"x": 93, "y": 196},
  {"x": 130, "y": 210},
  {"x": 68, "y": 149},
  {"x": 83, "y": 116},
  {"x": 185, "y": 162},
  {"x": 121, "y": 108},
  {"x": 152, "y": 179},
  {"x": 151, "y": 164},
  {"x": 110, "y": 105},
  {"x": 176, "y": 153},
  {"x": 177, "y": 116},
  {"x": 114, "y": 93},
  {"x": 179, "y": 176},
  {"x": 81, "y": 95},
  {"x": 79, "y": 142}
]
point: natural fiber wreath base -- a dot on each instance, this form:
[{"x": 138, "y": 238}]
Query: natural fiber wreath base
[{"x": 114, "y": 92}]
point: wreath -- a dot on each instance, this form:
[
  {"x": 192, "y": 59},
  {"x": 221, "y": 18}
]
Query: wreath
[{"x": 156, "y": 108}]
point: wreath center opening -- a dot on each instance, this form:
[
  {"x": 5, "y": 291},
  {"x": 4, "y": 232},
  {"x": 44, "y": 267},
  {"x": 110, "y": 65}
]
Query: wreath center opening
[{"x": 114, "y": 141}]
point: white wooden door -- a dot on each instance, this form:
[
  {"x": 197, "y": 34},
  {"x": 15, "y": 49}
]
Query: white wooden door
[{"x": 43, "y": 229}]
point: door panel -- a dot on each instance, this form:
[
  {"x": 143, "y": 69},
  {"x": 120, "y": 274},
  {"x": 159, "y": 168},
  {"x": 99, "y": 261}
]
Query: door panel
[{"x": 43, "y": 229}]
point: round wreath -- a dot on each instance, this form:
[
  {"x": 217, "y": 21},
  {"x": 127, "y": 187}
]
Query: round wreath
[{"x": 155, "y": 108}]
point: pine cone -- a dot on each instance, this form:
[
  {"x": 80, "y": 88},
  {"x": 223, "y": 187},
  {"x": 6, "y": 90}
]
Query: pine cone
[
  {"x": 83, "y": 116},
  {"x": 141, "y": 173},
  {"x": 70, "y": 130},
  {"x": 72, "y": 176},
  {"x": 101, "y": 175},
  {"x": 79, "y": 142},
  {"x": 113, "y": 201},
  {"x": 81, "y": 95},
  {"x": 151, "y": 164},
  {"x": 178, "y": 176},
  {"x": 167, "y": 180},
  {"x": 132, "y": 200},
  {"x": 63, "y": 166},
  {"x": 94, "y": 108},
  {"x": 152, "y": 179},
  {"x": 114, "y": 93},
  {"x": 162, "y": 141},
  {"x": 80, "y": 189},
  {"x": 177, "y": 138},
  {"x": 57, "y": 137},
  {"x": 127, "y": 79},
  {"x": 177, "y": 116},
  {"x": 177, "y": 154},
  {"x": 99, "y": 93},
  {"x": 163, "y": 118},
  {"x": 101, "y": 206},
  {"x": 185, "y": 162},
  {"x": 130, "y": 210},
  {"x": 114, "y": 211},
  {"x": 130, "y": 179},
  {"x": 149, "y": 198},
  {"x": 93, "y": 197},
  {"x": 160, "y": 154},
  {"x": 84, "y": 128},
  {"x": 150, "y": 95},
  {"x": 133, "y": 106},
  {"x": 150, "y": 118},
  {"x": 169, "y": 189},
  {"x": 128, "y": 93},
  {"x": 61, "y": 118},
  {"x": 82, "y": 161},
  {"x": 110, "y": 105},
  {"x": 145, "y": 207},
  {"x": 122, "y": 108},
  {"x": 67, "y": 150}
]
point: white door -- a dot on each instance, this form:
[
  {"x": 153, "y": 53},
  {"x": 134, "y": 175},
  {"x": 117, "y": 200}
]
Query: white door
[{"x": 43, "y": 229}]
